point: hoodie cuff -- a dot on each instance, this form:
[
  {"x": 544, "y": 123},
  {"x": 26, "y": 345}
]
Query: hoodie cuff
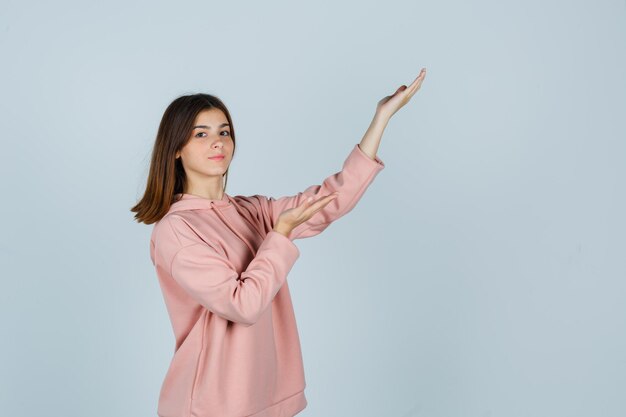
[
  {"x": 283, "y": 244},
  {"x": 366, "y": 159}
]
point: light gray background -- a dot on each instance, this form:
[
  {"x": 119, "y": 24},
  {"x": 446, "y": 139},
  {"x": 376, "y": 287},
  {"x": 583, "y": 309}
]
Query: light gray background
[{"x": 482, "y": 274}]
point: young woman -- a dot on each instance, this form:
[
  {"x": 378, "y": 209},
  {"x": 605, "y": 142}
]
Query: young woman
[{"x": 222, "y": 261}]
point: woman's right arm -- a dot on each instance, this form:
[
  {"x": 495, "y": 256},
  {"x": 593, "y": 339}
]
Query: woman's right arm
[{"x": 211, "y": 279}]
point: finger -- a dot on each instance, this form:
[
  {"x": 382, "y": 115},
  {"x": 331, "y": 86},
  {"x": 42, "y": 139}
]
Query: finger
[
  {"x": 311, "y": 202},
  {"x": 418, "y": 79},
  {"x": 310, "y": 212},
  {"x": 305, "y": 203},
  {"x": 324, "y": 200},
  {"x": 320, "y": 203},
  {"x": 416, "y": 85}
]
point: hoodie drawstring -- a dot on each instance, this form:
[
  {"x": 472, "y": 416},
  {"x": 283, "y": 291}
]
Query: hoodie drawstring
[
  {"x": 219, "y": 213},
  {"x": 246, "y": 215}
]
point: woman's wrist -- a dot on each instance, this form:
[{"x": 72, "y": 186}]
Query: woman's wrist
[
  {"x": 282, "y": 230},
  {"x": 380, "y": 120}
]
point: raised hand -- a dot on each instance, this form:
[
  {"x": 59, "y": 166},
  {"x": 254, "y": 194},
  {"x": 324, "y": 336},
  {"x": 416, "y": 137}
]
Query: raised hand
[{"x": 388, "y": 105}]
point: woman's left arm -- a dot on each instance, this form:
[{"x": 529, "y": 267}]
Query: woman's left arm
[{"x": 359, "y": 170}]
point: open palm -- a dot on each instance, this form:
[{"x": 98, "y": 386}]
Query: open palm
[
  {"x": 388, "y": 105},
  {"x": 291, "y": 218}
]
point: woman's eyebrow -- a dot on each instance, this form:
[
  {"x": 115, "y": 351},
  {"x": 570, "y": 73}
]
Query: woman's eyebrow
[{"x": 209, "y": 127}]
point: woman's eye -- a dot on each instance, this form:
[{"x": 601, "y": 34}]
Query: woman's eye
[{"x": 204, "y": 133}]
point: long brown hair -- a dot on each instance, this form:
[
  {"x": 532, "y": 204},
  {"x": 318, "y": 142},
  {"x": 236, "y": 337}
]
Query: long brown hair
[{"x": 167, "y": 175}]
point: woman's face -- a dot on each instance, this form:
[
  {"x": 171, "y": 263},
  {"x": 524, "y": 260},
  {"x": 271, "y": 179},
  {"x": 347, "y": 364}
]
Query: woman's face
[{"x": 210, "y": 137}]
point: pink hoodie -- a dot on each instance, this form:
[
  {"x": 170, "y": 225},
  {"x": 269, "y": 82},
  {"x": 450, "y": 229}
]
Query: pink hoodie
[{"x": 222, "y": 269}]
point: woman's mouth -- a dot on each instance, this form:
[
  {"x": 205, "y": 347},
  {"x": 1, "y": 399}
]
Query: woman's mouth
[{"x": 217, "y": 158}]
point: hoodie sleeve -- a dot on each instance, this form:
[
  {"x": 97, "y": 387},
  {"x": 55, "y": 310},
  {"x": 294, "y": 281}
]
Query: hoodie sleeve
[
  {"x": 211, "y": 279},
  {"x": 357, "y": 173}
]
